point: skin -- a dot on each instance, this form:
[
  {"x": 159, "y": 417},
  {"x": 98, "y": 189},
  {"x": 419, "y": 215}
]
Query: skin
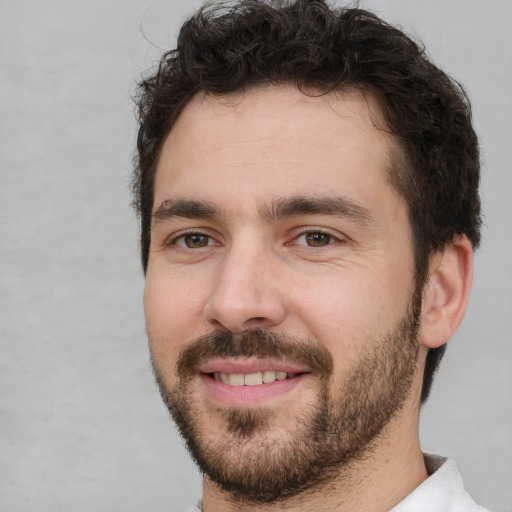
[{"x": 241, "y": 155}]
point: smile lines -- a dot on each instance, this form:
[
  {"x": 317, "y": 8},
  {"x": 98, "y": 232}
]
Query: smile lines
[{"x": 251, "y": 379}]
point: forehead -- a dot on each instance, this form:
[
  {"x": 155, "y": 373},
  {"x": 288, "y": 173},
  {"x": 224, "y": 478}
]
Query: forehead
[{"x": 276, "y": 140}]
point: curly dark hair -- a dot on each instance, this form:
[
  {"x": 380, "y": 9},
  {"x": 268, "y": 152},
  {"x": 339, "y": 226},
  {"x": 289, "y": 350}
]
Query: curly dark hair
[{"x": 231, "y": 47}]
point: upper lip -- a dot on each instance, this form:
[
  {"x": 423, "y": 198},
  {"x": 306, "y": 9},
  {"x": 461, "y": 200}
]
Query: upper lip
[{"x": 251, "y": 365}]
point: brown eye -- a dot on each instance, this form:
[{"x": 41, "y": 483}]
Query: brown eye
[
  {"x": 196, "y": 241},
  {"x": 318, "y": 239}
]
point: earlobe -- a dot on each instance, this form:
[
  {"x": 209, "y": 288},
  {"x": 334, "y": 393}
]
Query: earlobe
[{"x": 445, "y": 295}]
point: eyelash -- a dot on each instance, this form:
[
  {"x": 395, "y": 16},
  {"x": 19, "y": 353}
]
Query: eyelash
[
  {"x": 179, "y": 241},
  {"x": 315, "y": 231},
  {"x": 175, "y": 241}
]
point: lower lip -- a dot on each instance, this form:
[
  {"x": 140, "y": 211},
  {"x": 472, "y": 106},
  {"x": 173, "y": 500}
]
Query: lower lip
[{"x": 247, "y": 396}]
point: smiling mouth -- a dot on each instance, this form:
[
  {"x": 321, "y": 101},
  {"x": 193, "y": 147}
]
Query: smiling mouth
[{"x": 252, "y": 379}]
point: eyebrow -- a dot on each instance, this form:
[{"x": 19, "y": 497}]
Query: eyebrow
[
  {"x": 338, "y": 206},
  {"x": 186, "y": 208},
  {"x": 281, "y": 208}
]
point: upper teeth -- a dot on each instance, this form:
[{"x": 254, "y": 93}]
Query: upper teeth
[{"x": 249, "y": 379}]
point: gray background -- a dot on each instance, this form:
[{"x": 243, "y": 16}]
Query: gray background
[{"x": 82, "y": 427}]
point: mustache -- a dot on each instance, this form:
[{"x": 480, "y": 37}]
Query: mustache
[{"x": 257, "y": 343}]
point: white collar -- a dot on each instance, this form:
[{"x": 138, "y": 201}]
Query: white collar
[{"x": 442, "y": 491}]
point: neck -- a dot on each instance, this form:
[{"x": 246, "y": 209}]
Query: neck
[{"x": 393, "y": 468}]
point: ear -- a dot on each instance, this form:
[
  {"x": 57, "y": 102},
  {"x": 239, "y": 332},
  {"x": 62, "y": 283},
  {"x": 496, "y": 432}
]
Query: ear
[{"x": 446, "y": 292}]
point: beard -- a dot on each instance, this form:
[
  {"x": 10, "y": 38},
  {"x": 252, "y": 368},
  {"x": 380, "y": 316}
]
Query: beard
[{"x": 248, "y": 457}]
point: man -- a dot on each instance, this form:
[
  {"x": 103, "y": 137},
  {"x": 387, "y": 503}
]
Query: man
[{"x": 308, "y": 189}]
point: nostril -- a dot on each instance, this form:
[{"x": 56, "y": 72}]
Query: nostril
[{"x": 257, "y": 322}]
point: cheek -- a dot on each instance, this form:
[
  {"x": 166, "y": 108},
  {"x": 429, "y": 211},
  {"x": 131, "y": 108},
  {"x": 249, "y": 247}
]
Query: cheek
[
  {"x": 348, "y": 311},
  {"x": 173, "y": 314}
]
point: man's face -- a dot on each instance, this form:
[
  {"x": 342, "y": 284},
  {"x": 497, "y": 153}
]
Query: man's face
[{"x": 279, "y": 287}]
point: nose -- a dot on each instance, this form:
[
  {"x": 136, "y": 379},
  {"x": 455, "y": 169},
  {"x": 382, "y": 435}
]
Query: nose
[{"x": 246, "y": 294}]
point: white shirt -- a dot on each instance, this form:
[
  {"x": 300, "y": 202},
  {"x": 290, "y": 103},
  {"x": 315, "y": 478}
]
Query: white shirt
[{"x": 442, "y": 491}]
